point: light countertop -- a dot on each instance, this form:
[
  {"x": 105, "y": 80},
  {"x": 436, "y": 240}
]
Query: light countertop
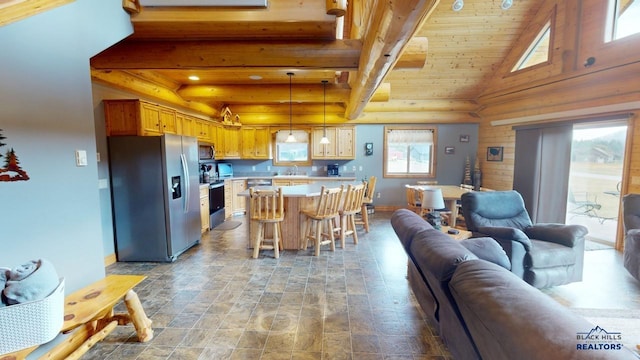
[{"x": 305, "y": 190}]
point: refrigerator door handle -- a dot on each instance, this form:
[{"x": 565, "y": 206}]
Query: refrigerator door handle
[{"x": 187, "y": 186}]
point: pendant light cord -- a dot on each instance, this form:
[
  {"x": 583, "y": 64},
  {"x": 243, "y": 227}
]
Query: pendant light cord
[
  {"x": 290, "y": 106},
  {"x": 324, "y": 108}
]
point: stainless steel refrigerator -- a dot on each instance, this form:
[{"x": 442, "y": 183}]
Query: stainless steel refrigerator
[{"x": 155, "y": 196}]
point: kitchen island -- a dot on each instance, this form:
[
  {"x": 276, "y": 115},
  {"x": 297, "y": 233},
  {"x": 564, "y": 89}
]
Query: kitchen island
[{"x": 297, "y": 198}]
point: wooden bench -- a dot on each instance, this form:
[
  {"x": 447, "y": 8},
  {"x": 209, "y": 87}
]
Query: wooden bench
[{"x": 89, "y": 317}]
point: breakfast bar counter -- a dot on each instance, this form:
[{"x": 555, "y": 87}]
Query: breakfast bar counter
[{"x": 297, "y": 198}]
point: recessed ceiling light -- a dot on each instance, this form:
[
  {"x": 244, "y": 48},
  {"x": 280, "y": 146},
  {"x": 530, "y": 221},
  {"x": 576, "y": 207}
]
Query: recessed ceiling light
[
  {"x": 255, "y": 77},
  {"x": 194, "y": 78}
]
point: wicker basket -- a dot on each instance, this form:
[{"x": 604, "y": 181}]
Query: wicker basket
[{"x": 32, "y": 323}]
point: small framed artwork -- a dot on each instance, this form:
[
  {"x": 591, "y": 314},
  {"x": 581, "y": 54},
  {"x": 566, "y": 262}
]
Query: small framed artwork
[
  {"x": 494, "y": 153},
  {"x": 449, "y": 150},
  {"x": 464, "y": 138}
]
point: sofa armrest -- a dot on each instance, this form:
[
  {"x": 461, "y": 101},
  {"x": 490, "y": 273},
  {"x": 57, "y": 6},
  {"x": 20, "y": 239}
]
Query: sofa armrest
[
  {"x": 557, "y": 233},
  {"x": 506, "y": 233}
]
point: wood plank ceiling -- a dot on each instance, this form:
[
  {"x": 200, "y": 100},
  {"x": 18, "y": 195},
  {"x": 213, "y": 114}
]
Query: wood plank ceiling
[{"x": 386, "y": 61}]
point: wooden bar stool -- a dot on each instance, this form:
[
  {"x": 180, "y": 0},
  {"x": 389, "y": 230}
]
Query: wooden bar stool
[
  {"x": 323, "y": 215},
  {"x": 267, "y": 207},
  {"x": 369, "y": 193},
  {"x": 351, "y": 205}
]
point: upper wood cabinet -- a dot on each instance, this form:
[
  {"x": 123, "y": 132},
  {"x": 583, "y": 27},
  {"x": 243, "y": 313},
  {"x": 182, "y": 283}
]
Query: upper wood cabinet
[
  {"x": 341, "y": 143},
  {"x": 256, "y": 142},
  {"x": 228, "y": 142},
  {"x": 202, "y": 129},
  {"x": 138, "y": 117}
]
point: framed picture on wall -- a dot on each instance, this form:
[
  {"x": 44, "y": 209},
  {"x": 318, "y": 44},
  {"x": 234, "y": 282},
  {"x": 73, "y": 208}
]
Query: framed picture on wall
[
  {"x": 494, "y": 153},
  {"x": 449, "y": 150},
  {"x": 464, "y": 138}
]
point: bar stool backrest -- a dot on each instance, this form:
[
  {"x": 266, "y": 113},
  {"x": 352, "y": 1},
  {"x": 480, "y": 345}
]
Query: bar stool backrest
[{"x": 266, "y": 204}]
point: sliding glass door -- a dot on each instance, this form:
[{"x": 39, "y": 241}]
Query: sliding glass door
[{"x": 595, "y": 175}]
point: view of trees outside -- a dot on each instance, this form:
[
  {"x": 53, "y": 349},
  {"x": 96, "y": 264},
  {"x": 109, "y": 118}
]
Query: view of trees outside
[
  {"x": 594, "y": 180},
  {"x": 409, "y": 158}
]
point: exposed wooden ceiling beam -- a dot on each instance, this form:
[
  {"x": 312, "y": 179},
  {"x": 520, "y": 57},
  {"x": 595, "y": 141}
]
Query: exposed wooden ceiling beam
[
  {"x": 128, "y": 82},
  {"x": 283, "y": 18},
  {"x": 258, "y": 94},
  {"x": 392, "y": 25},
  {"x": 335, "y": 55},
  {"x": 14, "y": 10},
  {"x": 414, "y": 55},
  {"x": 422, "y": 105}
]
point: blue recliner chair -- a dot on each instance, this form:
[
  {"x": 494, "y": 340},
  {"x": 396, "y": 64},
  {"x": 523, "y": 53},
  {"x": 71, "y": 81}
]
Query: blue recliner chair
[
  {"x": 631, "y": 219},
  {"x": 544, "y": 255}
]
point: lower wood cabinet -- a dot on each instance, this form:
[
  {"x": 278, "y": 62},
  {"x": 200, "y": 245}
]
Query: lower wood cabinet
[
  {"x": 234, "y": 204},
  {"x": 204, "y": 208}
]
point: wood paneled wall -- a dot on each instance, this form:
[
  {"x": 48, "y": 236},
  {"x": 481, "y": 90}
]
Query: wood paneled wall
[{"x": 496, "y": 175}]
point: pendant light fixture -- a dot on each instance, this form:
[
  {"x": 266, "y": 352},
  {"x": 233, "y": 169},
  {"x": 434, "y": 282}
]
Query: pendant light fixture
[
  {"x": 325, "y": 139},
  {"x": 290, "y": 138}
]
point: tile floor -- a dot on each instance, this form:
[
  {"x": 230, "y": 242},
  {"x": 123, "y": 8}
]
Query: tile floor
[{"x": 216, "y": 302}]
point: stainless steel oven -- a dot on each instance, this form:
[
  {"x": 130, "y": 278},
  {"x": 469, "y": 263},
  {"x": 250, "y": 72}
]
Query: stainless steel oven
[{"x": 216, "y": 203}]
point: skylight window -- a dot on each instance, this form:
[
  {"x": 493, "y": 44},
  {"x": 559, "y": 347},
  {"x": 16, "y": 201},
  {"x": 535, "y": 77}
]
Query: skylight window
[
  {"x": 538, "y": 51},
  {"x": 623, "y": 19}
]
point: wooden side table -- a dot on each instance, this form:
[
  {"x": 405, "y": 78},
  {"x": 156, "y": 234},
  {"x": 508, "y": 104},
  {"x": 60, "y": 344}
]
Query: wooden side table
[{"x": 461, "y": 235}]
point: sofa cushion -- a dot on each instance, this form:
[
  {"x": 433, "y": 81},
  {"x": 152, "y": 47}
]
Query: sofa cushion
[
  {"x": 407, "y": 224},
  {"x": 488, "y": 249},
  {"x": 437, "y": 253},
  {"x": 508, "y": 319}
]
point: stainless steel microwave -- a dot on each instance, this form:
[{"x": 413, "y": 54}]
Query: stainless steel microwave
[{"x": 206, "y": 152}]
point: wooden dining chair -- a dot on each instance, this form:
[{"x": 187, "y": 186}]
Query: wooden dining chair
[
  {"x": 351, "y": 205},
  {"x": 267, "y": 207},
  {"x": 367, "y": 199},
  {"x": 323, "y": 216},
  {"x": 414, "y": 199}
]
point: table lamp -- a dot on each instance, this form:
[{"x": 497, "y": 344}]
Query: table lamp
[{"x": 432, "y": 201}]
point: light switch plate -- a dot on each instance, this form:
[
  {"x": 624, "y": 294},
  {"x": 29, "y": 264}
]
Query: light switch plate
[{"x": 81, "y": 158}]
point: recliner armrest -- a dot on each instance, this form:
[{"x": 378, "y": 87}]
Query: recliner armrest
[
  {"x": 506, "y": 233},
  {"x": 557, "y": 233},
  {"x": 633, "y": 233}
]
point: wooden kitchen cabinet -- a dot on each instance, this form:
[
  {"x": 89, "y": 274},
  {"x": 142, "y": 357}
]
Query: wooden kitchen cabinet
[
  {"x": 157, "y": 120},
  {"x": 240, "y": 203},
  {"x": 229, "y": 142},
  {"x": 204, "y": 209},
  {"x": 256, "y": 142},
  {"x": 138, "y": 117},
  {"x": 234, "y": 204},
  {"x": 202, "y": 131},
  {"x": 228, "y": 198},
  {"x": 341, "y": 143},
  {"x": 186, "y": 124}
]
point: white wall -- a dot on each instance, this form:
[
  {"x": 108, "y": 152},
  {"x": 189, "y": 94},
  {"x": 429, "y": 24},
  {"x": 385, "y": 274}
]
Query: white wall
[{"x": 46, "y": 113}]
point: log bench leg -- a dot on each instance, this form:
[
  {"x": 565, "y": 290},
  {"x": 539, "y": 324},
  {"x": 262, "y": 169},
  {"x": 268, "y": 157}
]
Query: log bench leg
[{"x": 138, "y": 317}]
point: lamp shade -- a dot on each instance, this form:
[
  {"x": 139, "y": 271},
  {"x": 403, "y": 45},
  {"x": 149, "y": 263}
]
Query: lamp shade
[{"x": 432, "y": 199}]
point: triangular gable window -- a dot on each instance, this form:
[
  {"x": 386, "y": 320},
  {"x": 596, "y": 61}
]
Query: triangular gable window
[{"x": 538, "y": 51}]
